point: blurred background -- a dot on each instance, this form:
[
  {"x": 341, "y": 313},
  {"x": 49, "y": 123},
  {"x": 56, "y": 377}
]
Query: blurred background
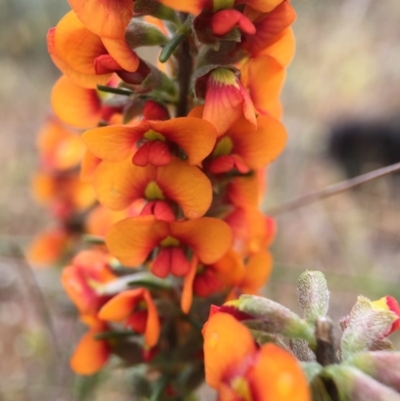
[{"x": 342, "y": 96}]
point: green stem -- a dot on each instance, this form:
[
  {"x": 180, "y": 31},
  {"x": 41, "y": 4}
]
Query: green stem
[{"x": 115, "y": 91}]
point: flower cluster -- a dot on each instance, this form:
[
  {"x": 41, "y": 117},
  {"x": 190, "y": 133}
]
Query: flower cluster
[{"x": 175, "y": 155}]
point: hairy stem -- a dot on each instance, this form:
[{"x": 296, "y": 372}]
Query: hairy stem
[
  {"x": 185, "y": 69},
  {"x": 326, "y": 352}
]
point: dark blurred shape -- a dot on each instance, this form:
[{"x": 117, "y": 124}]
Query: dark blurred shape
[{"x": 362, "y": 146}]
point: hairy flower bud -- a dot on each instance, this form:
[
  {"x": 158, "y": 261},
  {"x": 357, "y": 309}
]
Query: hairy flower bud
[
  {"x": 383, "y": 366},
  {"x": 354, "y": 385},
  {"x": 366, "y": 325},
  {"x": 313, "y": 295},
  {"x": 273, "y": 317}
]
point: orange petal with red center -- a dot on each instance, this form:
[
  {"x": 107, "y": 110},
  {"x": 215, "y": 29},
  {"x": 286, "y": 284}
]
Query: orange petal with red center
[
  {"x": 277, "y": 375},
  {"x": 208, "y": 237},
  {"x": 187, "y": 290},
  {"x": 84, "y": 80},
  {"x": 195, "y": 136},
  {"x": 131, "y": 240},
  {"x": 119, "y": 184},
  {"x": 122, "y": 53},
  {"x": 257, "y": 271},
  {"x": 105, "y": 18},
  {"x": 226, "y": 344},
  {"x": 263, "y": 77},
  {"x": 270, "y": 28},
  {"x": 77, "y": 61},
  {"x": 113, "y": 143},
  {"x": 282, "y": 49},
  {"x": 75, "y": 105},
  {"x": 258, "y": 148},
  {"x": 90, "y": 354},
  {"x": 226, "y": 100}
]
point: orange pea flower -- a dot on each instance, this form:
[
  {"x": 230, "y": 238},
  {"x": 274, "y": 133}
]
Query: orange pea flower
[
  {"x": 93, "y": 61},
  {"x": 137, "y": 309},
  {"x": 269, "y": 27},
  {"x": 252, "y": 231},
  {"x": 226, "y": 99},
  {"x": 132, "y": 240},
  {"x": 83, "y": 279},
  {"x": 119, "y": 184},
  {"x": 244, "y": 149},
  {"x": 249, "y": 277},
  {"x": 105, "y": 18},
  {"x": 157, "y": 139},
  {"x": 60, "y": 148},
  {"x": 263, "y": 78},
  {"x": 91, "y": 354},
  {"x": 389, "y": 303},
  {"x": 239, "y": 371},
  {"x": 230, "y": 272},
  {"x": 78, "y": 106}
]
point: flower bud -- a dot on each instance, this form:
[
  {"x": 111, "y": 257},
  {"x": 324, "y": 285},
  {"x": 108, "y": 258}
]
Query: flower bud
[
  {"x": 366, "y": 326},
  {"x": 354, "y": 385},
  {"x": 272, "y": 317},
  {"x": 139, "y": 33},
  {"x": 383, "y": 366},
  {"x": 313, "y": 295}
]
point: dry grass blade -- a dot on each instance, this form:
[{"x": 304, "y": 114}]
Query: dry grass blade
[{"x": 331, "y": 190}]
